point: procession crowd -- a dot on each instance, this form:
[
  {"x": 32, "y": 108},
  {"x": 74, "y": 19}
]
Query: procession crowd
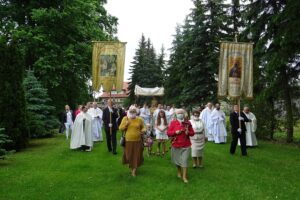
[{"x": 143, "y": 127}]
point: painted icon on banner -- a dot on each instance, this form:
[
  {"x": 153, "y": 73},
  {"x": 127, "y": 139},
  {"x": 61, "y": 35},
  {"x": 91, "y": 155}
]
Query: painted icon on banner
[
  {"x": 235, "y": 67},
  {"x": 235, "y": 72},
  {"x": 108, "y": 65}
]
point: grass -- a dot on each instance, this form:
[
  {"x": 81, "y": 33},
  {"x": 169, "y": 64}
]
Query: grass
[{"x": 48, "y": 169}]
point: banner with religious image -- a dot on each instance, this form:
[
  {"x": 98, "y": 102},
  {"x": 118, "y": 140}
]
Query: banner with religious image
[
  {"x": 236, "y": 70},
  {"x": 108, "y": 65}
]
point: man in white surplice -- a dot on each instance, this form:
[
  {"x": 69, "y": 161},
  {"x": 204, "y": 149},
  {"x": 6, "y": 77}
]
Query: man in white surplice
[
  {"x": 82, "y": 133},
  {"x": 205, "y": 116},
  {"x": 218, "y": 125},
  {"x": 250, "y": 128},
  {"x": 170, "y": 112},
  {"x": 96, "y": 114}
]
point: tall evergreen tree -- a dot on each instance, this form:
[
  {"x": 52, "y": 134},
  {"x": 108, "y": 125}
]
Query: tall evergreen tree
[
  {"x": 12, "y": 99},
  {"x": 173, "y": 74},
  {"x": 196, "y": 53},
  {"x": 40, "y": 114},
  {"x": 145, "y": 70},
  {"x": 276, "y": 52}
]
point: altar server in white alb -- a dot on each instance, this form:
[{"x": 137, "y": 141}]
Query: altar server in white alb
[
  {"x": 205, "y": 116},
  {"x": 145, "y": 114},
  {"x": 82, "y": 133},
  {"x": 96, "y": 114},
  {"x": 250, "y": 128},
  {"x": 170, "y": 113},
  {"x": 218, "y": 125}
]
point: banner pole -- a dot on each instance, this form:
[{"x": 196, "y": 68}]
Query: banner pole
[
  {"x": 110, "y": 118},
  {"x": 239, "y": 104},
  {"x": 239, "y": 98}
]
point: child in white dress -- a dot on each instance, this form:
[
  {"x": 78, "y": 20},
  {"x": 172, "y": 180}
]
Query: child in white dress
[
  {"x": 148, "y": 141},
  {"x": 161, "y": 126}
]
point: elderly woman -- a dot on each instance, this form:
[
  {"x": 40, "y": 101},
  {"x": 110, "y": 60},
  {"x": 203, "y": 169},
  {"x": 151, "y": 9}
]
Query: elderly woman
[
  {"x": 198, "y": 140},
  {"x": 133, "y": 150},
  {"x": 181, "y": 130}
]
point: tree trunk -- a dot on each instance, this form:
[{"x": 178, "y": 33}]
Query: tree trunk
[
  {"x": 273, "y": 122},
  {"x": 288, "y": 106}
]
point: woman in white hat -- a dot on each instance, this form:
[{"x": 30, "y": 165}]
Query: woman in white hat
[{"x": 134, "y": 129}]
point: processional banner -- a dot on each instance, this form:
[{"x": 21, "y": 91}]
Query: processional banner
[
  {"x": 236, "y": 70},
  {"x": 108, "y": 65}
]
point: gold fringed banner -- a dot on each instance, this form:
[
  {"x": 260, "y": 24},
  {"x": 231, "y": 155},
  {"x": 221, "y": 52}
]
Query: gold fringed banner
[
  {"x": 236, "y": 70},
  {"x": 108, "y": 65}
]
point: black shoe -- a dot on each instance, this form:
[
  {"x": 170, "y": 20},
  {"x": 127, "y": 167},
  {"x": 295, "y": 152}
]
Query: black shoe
[{"x": 114, "y": 153}]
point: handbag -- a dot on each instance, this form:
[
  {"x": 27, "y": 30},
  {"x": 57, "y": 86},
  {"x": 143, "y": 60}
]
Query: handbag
[{"x": 122, "y": 140}]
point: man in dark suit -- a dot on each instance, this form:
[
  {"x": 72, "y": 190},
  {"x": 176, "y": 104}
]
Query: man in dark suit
[
  {"x": 109, "y": 118},
  {"x": 238, "y": 132}
]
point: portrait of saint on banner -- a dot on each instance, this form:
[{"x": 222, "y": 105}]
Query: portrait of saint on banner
[
  {"x": 108, "y": 65},
  {"x": 235, "y": 67}
]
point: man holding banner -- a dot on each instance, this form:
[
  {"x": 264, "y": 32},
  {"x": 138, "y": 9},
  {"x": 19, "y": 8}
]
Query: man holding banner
[
  {"x": 235, "y": 80},
  {"x": 238, "y": 130},
  {"x": 108, "y": 72}
]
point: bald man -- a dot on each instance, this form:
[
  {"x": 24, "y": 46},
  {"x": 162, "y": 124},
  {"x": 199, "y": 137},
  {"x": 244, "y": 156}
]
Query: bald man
[{"x": 251, "y": 128}]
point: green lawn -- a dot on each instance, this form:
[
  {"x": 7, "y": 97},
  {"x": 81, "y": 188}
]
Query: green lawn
[{"x": 49, "y": 170}]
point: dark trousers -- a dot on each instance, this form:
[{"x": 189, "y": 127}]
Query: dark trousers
[
  {"x": 111, "y": 140},
  {"x": 234, "y": 142}
]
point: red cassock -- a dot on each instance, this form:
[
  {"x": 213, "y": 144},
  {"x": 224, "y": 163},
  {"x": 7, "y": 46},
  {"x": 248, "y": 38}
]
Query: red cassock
[{"x": 181, "y": 140}]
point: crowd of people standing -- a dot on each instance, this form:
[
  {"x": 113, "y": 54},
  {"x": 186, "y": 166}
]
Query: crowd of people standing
[{"x": 143, "y": 126}]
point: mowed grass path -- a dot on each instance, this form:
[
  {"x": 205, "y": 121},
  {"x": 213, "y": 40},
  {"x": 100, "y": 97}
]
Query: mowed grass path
[{"x": 48, "y": 169}]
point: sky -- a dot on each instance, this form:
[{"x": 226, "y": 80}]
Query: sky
[{"x": 156, "y": 19}]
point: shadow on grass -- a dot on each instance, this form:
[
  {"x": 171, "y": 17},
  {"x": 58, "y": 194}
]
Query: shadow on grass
[{"x": 4, "y": 162}]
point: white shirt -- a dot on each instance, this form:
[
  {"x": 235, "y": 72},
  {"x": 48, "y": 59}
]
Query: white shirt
[{"x": 69, "y": 117}]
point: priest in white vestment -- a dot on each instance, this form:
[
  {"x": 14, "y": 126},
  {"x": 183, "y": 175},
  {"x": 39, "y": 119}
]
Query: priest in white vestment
[
  {"x": 250, "y": 128},
  {"x": 205, "y": 116},
  {"x": 96, "y": 114},
  {"x": 218, "y": 125},
  {"x": 82, "y": 131}
]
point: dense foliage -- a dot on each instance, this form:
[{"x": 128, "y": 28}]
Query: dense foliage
[
  {"x": 277, "y": 65},
  {"x": 4, "y": 140},
  {"x": 54, "y": 39},
  {"x": 12, "y": 100}
]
